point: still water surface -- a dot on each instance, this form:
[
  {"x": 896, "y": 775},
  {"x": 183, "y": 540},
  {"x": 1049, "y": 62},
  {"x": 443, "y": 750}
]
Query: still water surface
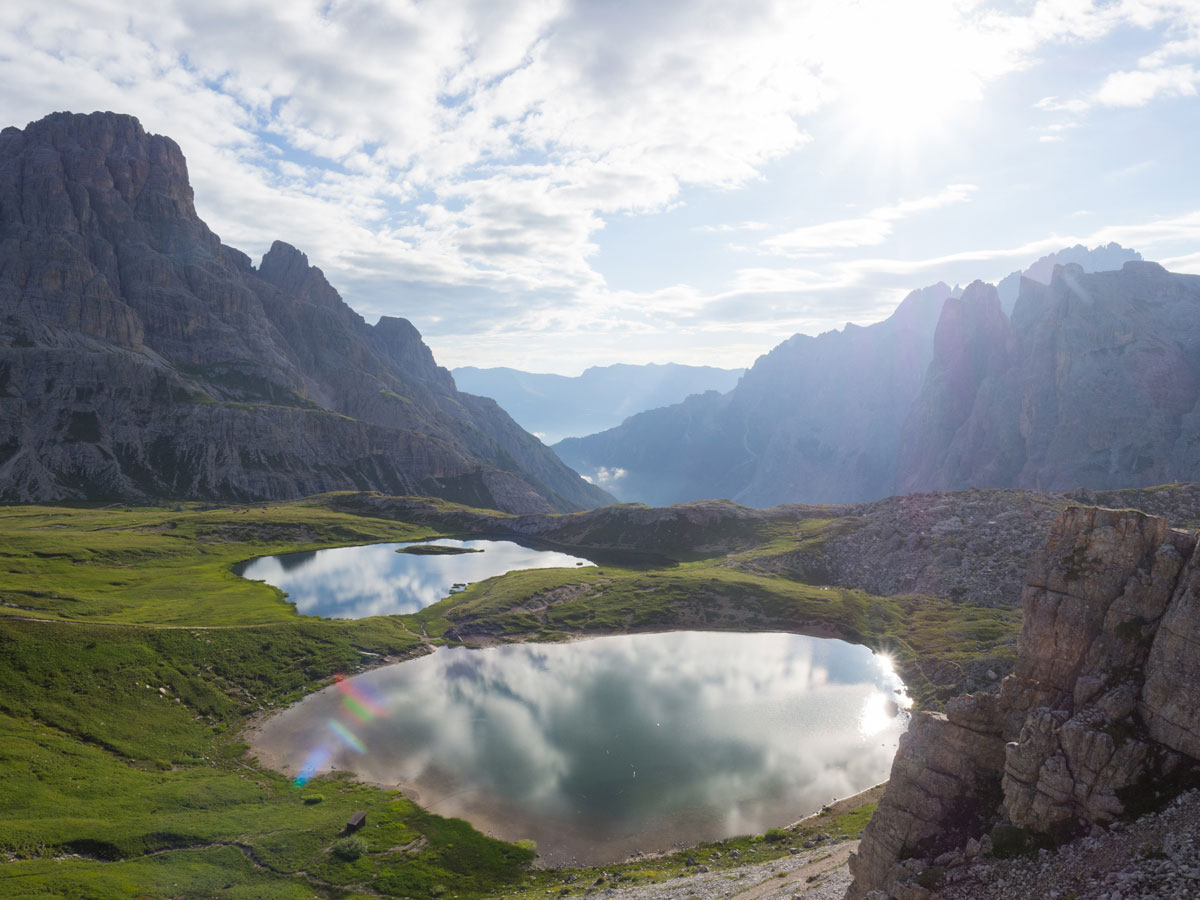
[
  {"x": 375, "y": 580},
  {"x": 598, "y": 748}
]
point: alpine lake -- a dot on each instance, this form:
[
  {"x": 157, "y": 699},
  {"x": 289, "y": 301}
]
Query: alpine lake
[{"x": 594, "y": 749}]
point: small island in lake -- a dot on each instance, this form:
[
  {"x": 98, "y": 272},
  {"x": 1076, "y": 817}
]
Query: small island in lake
[{"x": 437, "y": 550}]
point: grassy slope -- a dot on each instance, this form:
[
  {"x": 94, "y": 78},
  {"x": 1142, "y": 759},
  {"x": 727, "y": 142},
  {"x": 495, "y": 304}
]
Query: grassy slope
[
  {"x": 116, "y": 741},
  {"x": 926, "y": 636},
  {"x": 149, "y": 785},
  {"x": 161, "y": 566}
]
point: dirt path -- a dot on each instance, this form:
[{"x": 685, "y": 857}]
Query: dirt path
[{"x": 803, "y": 875}]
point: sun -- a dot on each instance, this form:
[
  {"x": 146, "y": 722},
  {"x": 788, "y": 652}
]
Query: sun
[{"x": 899, "y": 72}]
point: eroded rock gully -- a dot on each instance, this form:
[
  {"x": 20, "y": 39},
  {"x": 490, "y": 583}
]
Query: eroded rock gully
[{"x": 1101, "y": 711}]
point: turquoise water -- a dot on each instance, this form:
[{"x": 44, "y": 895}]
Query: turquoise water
[
  {"x": 375, "y": 580},
  {"x": 598, "y": 748}
]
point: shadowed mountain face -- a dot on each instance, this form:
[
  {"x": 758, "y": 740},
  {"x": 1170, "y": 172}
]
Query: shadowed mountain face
[
  {"x": 1092, "y": 381},
  {"x": 1095, "y": 382},
  {"x": 816, "y": 419},
  {"x": 555, "y": 406},
  {"x": 1105, "y": 258},
  {"x": 142, "y": 358}
]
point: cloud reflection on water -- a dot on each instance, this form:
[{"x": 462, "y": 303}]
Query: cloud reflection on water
[
  {"x": 374, "y": 580},
  {"x": 598, "y": 747}
]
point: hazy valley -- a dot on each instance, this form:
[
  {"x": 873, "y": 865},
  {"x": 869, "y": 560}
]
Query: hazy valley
[{"x": 554, "y": 407}]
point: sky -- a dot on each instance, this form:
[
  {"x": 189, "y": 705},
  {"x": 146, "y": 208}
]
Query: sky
[{"x": 549, "y": 185}]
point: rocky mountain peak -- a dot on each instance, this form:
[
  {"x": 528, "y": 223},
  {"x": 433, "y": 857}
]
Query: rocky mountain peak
[
  {"x": 970, "y": 327},
  {"x": 144, "y": 358},
  {"x": 111, "y": 157},
  {"x": 400, "y": 343},
  {"x": 288, "y": 269},
  {"x": 926, "y": 302},
  {"x": 1104, "y": 258},
  {"x": 284, "y": 266}
]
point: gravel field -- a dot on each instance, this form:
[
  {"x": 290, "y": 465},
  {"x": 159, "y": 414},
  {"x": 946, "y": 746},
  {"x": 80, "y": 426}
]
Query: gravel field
[
  {"x": 817, "y": 875},
  {"x": 1156, "y": 857}
]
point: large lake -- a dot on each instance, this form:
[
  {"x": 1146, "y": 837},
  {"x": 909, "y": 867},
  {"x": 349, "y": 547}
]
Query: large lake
[
  {"x": 598, "y": 748},
  {"x": 375, "y": 580}
]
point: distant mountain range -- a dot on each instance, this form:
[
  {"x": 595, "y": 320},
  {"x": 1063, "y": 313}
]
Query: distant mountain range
[
  {"x": 556, "y": 406},
  {"x": 141, "y": 358},
  {"x": 1092, "y": 380}
]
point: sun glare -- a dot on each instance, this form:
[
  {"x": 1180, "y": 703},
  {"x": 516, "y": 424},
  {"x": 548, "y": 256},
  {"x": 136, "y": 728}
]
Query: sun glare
[
  {"x": 878, "y": 713},
  {"x": 900, "y": 71}
]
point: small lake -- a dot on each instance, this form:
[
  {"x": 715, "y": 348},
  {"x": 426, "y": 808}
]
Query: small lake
[
  {"x": 376, "y": 580},
  {"x": 598, "y": 748}
]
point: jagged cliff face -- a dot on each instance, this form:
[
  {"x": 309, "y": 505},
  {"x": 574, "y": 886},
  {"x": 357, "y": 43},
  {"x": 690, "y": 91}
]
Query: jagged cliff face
[
  {"x": 1094, "y": 382},
  {"x": 815, "y": 420},
  {"x": 1102, "y": 710},
  {"x": 1105, "y": 258},
  {"x": 142, "y": 358}
]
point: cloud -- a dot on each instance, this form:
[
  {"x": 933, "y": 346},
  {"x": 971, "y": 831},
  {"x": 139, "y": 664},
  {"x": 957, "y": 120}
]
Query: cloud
[
  {"x": 727, "y": 227},
  {"x": 865, "y": 231},
  {"x": 1189, "y": 263},
  {"x": 605, "y": 477},
  {"x": 1130, "y": 170},
  {"x": 460, "y": 163},
  {"x": 1157, "y": 76},
  {"x": 1137, "y": 88}
]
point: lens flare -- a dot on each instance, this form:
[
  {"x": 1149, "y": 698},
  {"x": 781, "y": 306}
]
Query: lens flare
[
  {"x": 357, "y": 707},
  {"x": 315, "y": 762},
  {"x": 349, "y": 738},
  {"x": 357, "y": 702}
]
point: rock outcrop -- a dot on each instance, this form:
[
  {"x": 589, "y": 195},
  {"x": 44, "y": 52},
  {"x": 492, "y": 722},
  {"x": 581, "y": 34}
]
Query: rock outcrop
[
  {"x": 1101, "y": 711},
  {"x": 141, "y": 358}
]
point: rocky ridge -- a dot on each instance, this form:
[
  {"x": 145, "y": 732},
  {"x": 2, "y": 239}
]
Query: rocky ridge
[
  {"x": 816, "y": 419},
  {"x": 1080, "y": 371},
  {"x": 141, "y": 358},
  {"x": 1100, "y": 715},
  {"x": 1092, "y": 381}
]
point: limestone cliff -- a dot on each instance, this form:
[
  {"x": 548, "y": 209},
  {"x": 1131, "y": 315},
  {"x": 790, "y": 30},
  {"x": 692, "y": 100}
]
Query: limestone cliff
[
  {"x": 1101, "y": 712},
  {"x": 1094, "y": 381},
  {"x": 142, "y": 358}
]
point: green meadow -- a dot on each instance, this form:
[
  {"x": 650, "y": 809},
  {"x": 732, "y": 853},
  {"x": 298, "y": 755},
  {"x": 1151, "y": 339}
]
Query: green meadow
[{"x": 131, "y": 659}]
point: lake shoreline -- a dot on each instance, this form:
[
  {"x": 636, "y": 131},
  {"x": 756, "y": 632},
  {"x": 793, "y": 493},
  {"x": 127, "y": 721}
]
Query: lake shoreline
[{"x": 588, "y": 836}]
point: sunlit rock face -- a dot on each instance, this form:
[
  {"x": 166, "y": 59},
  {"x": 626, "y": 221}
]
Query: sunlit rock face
[
  {"x": 1103, "y": 704},
  {"x": 141, "y": 357},
  {"x": 598, "y": 748}
]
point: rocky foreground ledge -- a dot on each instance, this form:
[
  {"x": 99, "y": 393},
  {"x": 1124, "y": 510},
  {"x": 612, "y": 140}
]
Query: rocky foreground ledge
[{"x": 1099, "y": 721}]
